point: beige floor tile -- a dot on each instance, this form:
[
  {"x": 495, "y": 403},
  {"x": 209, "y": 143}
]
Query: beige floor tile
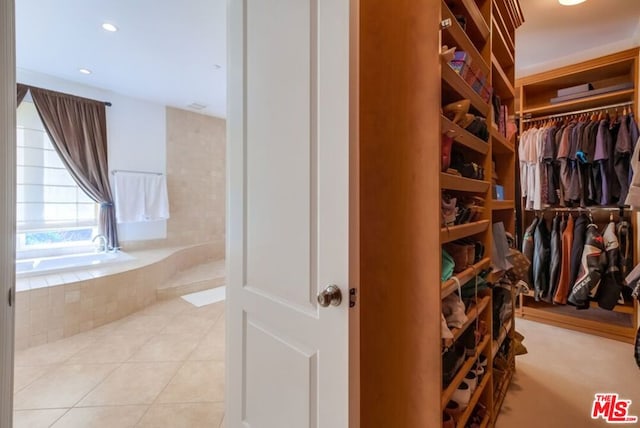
[
  {"x": 36, "y": 418},
  {"x": 196, "y": 381},
  {"x": 169, "y": 307},
  {"x": 23, "y": 376},
  {"x": 101, "y": 417},
  {"x": 166, "y": 347},
  {"x": 213, "y": 311},
  {"x": 140, "y": 323},
  {"x": 53, "y": 353},
  {"x": 191, "y": 415},
  {"x": 63, "y": 387},
  {"x": 114, "y": 348},
  {"x": 211, "y": 347},
  {"x": 132, "y": 383},
  {"x": 187, "y": 324}
]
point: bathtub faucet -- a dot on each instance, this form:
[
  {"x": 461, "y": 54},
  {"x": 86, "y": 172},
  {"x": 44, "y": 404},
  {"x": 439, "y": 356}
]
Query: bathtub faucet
[{"x": 102, "y": 248}]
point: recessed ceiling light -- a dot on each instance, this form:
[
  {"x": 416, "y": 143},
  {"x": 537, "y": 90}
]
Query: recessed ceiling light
[
  {"x": 109, "y": 27},
  {"x": 217, "y": 66},
  {"x": 570, "y": 2},
  {"x": 84, "y": 71},
  {"x": 197, "y": 106}
]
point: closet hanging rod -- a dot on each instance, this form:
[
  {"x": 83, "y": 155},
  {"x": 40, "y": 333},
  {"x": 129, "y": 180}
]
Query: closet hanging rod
[
  {"x": 115, "y": 171},
  {"x": 583, "y": 209},
  {"x": 569, "y": 113}
]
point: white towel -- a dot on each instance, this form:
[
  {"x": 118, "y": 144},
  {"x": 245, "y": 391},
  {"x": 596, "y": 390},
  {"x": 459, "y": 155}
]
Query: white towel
[
  {"x": 129, "y": 190},
  {"x": 156, "y": 199}
]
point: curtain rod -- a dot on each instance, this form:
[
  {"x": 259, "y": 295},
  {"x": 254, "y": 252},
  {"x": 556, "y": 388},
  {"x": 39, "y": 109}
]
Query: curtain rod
[
  {"x": 115, "y": 171},
  {"x": 106, "y": 103},
  {"x": 569, "y": 113}
]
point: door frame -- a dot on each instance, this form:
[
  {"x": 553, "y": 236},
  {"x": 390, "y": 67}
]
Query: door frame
[{"x": 8, "y": 203}]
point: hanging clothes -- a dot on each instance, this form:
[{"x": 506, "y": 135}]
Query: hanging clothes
[
  {"x": 611, "y": 286},
  {"x": 528, "y": 246},
  {"x": 592, "y": 265},
  {"x": 541, "y": 259},
  {"x": 555, "y": 250},
  {"x": 564, "y": 281},
  {"x": 579, "y": 230}
]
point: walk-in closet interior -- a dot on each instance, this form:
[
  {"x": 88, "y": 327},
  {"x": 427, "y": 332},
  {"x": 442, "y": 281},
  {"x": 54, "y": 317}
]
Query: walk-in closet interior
[{"x": 536, "y": 188}]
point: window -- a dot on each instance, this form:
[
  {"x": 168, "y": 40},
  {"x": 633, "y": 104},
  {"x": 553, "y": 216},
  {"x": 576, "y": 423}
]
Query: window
[{"x": 53, "y": 214}]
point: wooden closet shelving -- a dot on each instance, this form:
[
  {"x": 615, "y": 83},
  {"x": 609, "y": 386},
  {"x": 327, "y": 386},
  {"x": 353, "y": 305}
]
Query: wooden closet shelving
[
  {"x": 488, "y": 40},
  {"x": 534, "y": 93}
]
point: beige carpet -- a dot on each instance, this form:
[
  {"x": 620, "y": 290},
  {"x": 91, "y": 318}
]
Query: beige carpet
[{"x": 555, "y": 382}]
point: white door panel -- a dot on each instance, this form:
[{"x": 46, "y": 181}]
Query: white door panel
[{"x": 288, "y": 222}]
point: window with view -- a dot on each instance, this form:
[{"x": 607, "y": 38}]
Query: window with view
[{"x": 54, "y": 215}]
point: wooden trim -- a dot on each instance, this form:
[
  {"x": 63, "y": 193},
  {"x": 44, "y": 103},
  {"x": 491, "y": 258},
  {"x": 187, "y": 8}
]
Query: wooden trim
[
  {"x": 499, "y": 40},
  {"x": 7, "y": 210},
  {"x": 462, "y": 184},
  {"x": 583, "y": 103},
  {"x": 354, "y": 213},
  {"x": 454, "y": 233},
  {"x": 503, "y": 205},
  {"x": 476, "y": 18},
  {"x": 603, "y": 61},
  {"x": 503, "y": 146},
  {"x": 399, "y": 107}
]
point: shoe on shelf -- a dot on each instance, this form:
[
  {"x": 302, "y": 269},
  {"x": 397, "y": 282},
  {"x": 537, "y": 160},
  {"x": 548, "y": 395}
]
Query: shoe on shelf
[
  {"x": 447, "y": 54},
  {"x": 471, "y": 379},
  {"x": 456, "y": 111},
  {"x": 462, "y": 395},
  {"x": 454, "y": 410},
  {"x": 447, "y": 421}
]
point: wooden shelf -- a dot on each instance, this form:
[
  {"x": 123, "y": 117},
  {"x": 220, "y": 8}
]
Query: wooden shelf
[
  {"x": 464, "y": 417},
  {"x": 622, "y": 309},
  {"x": 449, "y": 286},
  {"x": 462, "y": 184},
  {"x": 502, "y": 392},
  {"x": 455, "y": 36},
  {"x": 502, "y": 146},
  {"x": 472, "y": 314},
  {"x": 461, "y": 136},
  {"x": 466, "y": 367},
  {"x": 582, "y": 103},
  {"x": 486, "y": 420},
  {"x": 462, "y": 89},
  {"x": 504, "y": 331},
  {"x": 503, "y": 205},
  {"x": 501, "y": 48},
  {"x": 454, "y": 233},
  {"x": 501, "y": 82},
  {"x": 476, "y": 24}
]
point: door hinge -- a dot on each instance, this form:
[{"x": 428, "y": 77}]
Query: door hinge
[
  {"x": 10, "y": 297},
  {"x": 352, "y": 297}
]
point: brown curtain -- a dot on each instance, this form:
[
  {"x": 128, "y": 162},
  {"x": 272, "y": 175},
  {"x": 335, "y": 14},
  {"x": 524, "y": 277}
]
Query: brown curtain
[
  {"x": 78, "y": 129},
  {"x": 22, "y": 91}
]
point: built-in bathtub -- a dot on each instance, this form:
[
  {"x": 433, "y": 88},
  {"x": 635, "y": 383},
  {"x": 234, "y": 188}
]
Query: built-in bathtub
[
  {"x": 48, "y": 265},
  {"x": 57, "y": 304}
]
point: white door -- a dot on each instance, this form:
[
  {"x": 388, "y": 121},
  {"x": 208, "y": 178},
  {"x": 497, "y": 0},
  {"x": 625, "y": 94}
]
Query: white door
[
  {"x": 7, "y": 205},
  {"x": 288, "y": 213}
]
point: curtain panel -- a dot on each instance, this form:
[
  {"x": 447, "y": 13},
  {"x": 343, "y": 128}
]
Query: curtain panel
[
  {"x": 78, "y": 129},
  {"x": 22, "y": 91}
]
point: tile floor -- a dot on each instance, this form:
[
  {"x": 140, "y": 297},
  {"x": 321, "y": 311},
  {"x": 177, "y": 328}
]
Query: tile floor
[{"x": 160, "y": 367}]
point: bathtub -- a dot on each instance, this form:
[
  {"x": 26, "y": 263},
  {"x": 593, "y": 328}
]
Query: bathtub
[{"x": 43, "y": 266}]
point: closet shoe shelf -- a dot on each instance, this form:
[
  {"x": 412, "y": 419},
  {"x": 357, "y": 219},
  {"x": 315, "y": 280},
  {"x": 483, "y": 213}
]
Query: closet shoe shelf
[
  {"x": 462, "y": 89},
  {"x": 466, "y": 367},
  {"x": 462, "y": 184},
  {"x": 503, "y": 146},
  {"x": 462, "y": 136},
  {"x": 502, "y": 205},
  {"x": 449, "y": 286},
  {"x": 462, "y": 420},
  {"x": 477, "y": 26},
  {"x": 472, "y": 314},
  {"x": 455, "y": 36},
  {"x": 503, "y": 334},
  {"x": 502, "y": 83},
  {"x": 502, "y": 392},
  {"x": 462, "y": 231}
]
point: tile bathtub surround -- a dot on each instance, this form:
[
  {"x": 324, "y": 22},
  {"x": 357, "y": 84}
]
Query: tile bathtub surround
[
  {"x": 171, "y": 389},
  {"x": 47, "y": 314}
]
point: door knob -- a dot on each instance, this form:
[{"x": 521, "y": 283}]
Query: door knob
[{"x": 330, "y": 296}]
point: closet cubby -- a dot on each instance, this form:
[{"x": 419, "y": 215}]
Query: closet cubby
[
  {"x": 614, "y": 82},
  {"x": 485, "y": 31}
]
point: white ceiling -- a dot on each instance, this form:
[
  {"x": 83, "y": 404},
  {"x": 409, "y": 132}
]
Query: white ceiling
[
  {"x": 165, "y": 50},
  {"x": 555, "y": 35}
]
